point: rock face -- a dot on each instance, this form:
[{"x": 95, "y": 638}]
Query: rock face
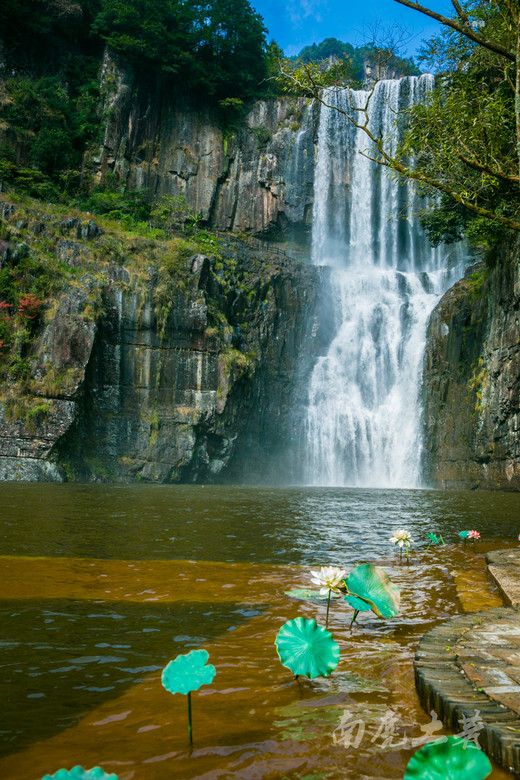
[
  {"x": 181, "y": 401},
  {"x": 189, "y": 368},
  {"x": 257, "y": 178},
  {"x": 472, "y": 381}
]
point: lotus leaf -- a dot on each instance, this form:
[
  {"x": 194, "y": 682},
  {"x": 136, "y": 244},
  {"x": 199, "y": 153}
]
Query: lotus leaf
[
  {"x": 453, "y": 759},
  {"x": 358, "y": 604},
  {"x": 372, "y": 585},
  {"x": 188, "y": 672},
  {"x": 78, "y": 773},
  {"x": 306, "y": 648},
  {"x": 433, "y": 538},
  {"x": 464, "y": 534}
]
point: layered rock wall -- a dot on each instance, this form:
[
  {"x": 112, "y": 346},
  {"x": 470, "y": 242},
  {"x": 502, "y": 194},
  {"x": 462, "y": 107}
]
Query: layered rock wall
[
  {"x": 182, "y": 367},
  {"x": 472, "y": 380},
  {"x": 257, "y": 178}
]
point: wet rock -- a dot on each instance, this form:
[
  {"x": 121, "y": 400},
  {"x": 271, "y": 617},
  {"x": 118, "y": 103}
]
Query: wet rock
[
  {"x": 471, "y": 385},
  {"x": 197, "y": 384}
]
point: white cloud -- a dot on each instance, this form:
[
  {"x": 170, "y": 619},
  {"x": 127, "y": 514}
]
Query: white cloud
[{"x": 299, "y": 10}]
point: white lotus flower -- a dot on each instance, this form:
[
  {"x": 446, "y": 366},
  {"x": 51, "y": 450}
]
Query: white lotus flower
[
  {"x": 402, "y": 537},
  {"x": 329, "y": 578}
]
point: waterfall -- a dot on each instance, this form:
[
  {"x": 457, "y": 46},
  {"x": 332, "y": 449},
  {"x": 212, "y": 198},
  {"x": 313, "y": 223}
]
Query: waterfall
[{"x": 363, "y": 419}]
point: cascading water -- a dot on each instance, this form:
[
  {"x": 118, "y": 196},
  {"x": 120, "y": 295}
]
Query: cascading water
[{"x": 363, "y": 422}]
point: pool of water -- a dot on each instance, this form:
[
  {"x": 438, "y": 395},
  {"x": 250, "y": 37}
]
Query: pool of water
[{"x": 102, "y": 585}]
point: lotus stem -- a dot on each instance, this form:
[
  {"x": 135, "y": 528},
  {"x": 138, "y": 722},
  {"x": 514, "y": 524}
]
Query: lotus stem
[
  {"x": 190, "y": 734},
  {"x": 356, "y": 613},
  {"x": 408, "y": 553},
  {"x": 328, "y": 607},
  {"x": 428, "y": 547},
  {"x": 442, "y": 540}
]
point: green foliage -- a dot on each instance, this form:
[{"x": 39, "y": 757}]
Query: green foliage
[
  {"x": 28, "y": 23},
  {"x": 357, "y": 56},
  {"x": 215, "y": 48},
  {"x": 47, "y": 122},
  {"x": 463, "y": 139},
  {"x": 27, "y": 280},
  {"x": 172, "y": 213},
  {"x": 109, "y": 200}
]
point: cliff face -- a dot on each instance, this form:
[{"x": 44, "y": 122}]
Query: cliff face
[
  {"x": 472, "y": 381},
  {"x": 257, "y": 178},
  {"x": 160, "y": 364}
]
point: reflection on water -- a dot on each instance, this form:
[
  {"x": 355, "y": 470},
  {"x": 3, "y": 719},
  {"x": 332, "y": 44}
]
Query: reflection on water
[
  {"x": 86, "y": 627},
  {"x": 220, "y": 523},
  {"x": 68, "y": 657}
]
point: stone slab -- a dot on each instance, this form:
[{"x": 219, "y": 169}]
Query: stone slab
[
  {"x": 468, "y": 671},
  {"x": 504, "y": 569}
]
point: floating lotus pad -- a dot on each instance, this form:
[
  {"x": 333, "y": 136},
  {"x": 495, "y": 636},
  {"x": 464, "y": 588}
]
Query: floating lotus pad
[
  {"x": 78, "y": 773},
  {"x": 453, "y": 759},
  {"x": 306, "y": 648},
  {"x": 464, "y": 534},
  {"x": 188, "y": 672},
  {"x": 372, "y": 585}
]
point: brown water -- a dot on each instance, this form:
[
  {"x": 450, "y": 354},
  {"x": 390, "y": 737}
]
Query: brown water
[{"x": 101, "y": 586}]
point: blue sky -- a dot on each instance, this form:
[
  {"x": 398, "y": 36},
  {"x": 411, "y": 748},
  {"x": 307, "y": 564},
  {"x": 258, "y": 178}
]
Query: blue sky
[{"x": 297, "y": 23}]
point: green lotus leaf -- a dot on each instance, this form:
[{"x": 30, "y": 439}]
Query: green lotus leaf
[
  {"x": 78, "y": 773},
  {"x": 433, "y": 538},
  {"x": 464, "y": 534},
  {"x": 359, "y": 604},
  {"x": 306, "y": 648},
  {"x": 305, "y": 593},
  {"x": 188, "y": 672},
  {"x": 373, "y": 585},
  {"x": 453, "y": 759}
]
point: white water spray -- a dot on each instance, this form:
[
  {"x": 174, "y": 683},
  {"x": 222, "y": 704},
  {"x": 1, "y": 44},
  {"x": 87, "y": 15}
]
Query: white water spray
[{"x": 363, "y": 425}]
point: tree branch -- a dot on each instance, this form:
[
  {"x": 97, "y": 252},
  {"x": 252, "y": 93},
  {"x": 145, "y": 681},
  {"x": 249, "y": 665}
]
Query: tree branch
[
  {"x": 460, "y": 11},
  {"x": 410, "y": 173},
  {"x": 462, "y": 28},
  {"x": 497, "y": 174}
]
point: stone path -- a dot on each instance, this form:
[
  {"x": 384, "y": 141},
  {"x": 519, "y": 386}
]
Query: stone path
[
  {"x": 467, "y": 670},
  {"x": 504, "y": 568}
]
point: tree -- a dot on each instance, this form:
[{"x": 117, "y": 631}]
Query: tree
[
  {"x": 215, "y": 48},
  {"x": 466, "y": 138}
]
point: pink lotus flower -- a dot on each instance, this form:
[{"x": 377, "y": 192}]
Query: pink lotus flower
[{"x": 473, "y": 535}]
